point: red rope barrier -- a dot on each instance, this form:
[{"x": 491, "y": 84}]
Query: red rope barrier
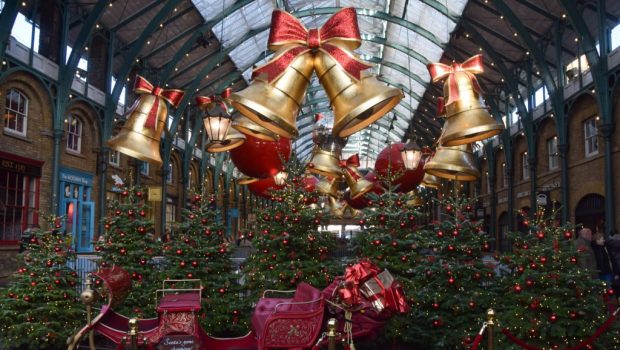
[
  {"x": 581, "y": 345},
  {"x": 477, "y": 340}
]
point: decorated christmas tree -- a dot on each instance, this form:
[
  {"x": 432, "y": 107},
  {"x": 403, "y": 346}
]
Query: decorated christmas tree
[
  {"x": 39, "y": 309},
  {"x": 452, "y": 284},
  {"x": 548, "y": 300},
  {"x": 128, "y": 242},
  {"x": 289, "y": 248},
  {"x": 391, "y": 238},
  {"x": 201, "y": 251}
]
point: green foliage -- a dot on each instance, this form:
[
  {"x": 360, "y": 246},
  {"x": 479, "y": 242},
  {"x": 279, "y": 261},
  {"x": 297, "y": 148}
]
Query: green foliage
[
  {"x": 39, "y": 308},
  {"x": 129, "y": 243},
  {"x": 548, "y": 299},
  {"x": 201, "y": 251},
  {"x": 289, "y": 249}
]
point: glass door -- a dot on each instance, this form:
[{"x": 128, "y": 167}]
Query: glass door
[{"x": 86, "y": 228}]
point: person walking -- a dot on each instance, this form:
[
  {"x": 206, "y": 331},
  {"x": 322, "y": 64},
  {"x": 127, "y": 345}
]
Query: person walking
[
  {"x": 613, "y": 247},
  {"x": 585, "y": 255},
  {"x": 606, "y": 267}
]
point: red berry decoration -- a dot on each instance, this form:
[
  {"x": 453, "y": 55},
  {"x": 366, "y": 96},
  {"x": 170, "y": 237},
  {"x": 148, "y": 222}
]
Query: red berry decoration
[
  {"x": 540, "y": 235},
  {"x": 471, "y": 304},
  {"x": 451, "y": 280},
  {"x": 123, "y": 251},
  {"x": 125, "y": 193},
  {"x": 517, "y": 288},
  {"x": 455, "y": 233},
  {"x": 138, "y": 194},
  {"x": 182, "y": 264},
  {"x": 573, "y": 259},
  {"x": 179, "y": 252},
  {"x": 142, "y": 213},
  {"x": 553, "y": 318},
  {"x": 568, "y": 235},
  {"x": 440, "y": 234}
]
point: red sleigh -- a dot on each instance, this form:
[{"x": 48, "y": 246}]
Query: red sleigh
[{"x": 293, "y": 321}]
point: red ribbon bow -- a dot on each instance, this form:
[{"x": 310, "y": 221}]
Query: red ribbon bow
[
  {"x": 173, "y": 96},
  {"x": 440, "y": 107},
  {"x": 350, "y": 165},
  {"x": 337, "y": 37},
  {"x": 471, "y": 66},
  {"x": 209, "y": 102},
  {"x": 355, "y": 276}
]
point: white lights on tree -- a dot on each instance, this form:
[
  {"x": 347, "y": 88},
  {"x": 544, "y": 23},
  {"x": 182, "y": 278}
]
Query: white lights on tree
[{"x": 280, "y": 178}]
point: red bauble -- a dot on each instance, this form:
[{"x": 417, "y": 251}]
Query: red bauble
[
  {"x": 179, "y": 252},
  {"x": 309, "y": 182},
  {"x": 261, "y": 158},
  {"x": 439, "y": 234},
  {"x": 568, "y": 235},
  {"x": 455, "y": 233},
  {"x": 540, "y": 235},
  {"x": 553, "y": 318},
  {"x": 263, "y": 187},
  {"x": 471, "y": 304},
  {"x": 125, "y": 193},
  {"x": 182, "y": 264},
  {"x": 123, "y": 251},
  {"x": 142, "y": 213},
  {"x": 391, "y": 158},
  {"x": 138, "y": 194},
  {"x": 517, "y": 288},
  {"x": 117, "y": 212},
  {"x": 130, "y": 212},
  {"x": 573, "y": 259},
  {"x": 194, "y": 263},
  {"x": 451, "y": 280},
  {"x": 141, "y": 229}
]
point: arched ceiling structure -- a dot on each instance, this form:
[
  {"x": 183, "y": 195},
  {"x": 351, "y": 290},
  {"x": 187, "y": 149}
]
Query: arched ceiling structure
[{"x": 203, "y": 46}]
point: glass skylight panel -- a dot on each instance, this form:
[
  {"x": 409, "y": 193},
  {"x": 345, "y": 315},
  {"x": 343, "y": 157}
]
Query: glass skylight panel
[
  {"x": 255, "y": 15},
  {"x": 209, "y": 9},
  {"x": 247, "y": 52}
]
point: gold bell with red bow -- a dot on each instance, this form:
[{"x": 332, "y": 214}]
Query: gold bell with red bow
[
  {"x": 467, "y": 119},
  {"x": 336, "y": 208},
  {"x": 326, "y": 154},
  {"x": 357, "y": 184},
  {"x": 454, "y": 163},
  {"x": 146, "y": 119}
]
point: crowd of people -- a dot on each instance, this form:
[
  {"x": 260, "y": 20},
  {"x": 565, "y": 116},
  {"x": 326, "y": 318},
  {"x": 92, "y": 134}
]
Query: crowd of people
[{"x": 601, "y": 257}]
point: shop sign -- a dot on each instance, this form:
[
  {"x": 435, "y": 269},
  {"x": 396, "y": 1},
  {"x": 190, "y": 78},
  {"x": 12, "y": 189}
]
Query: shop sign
[
  {"x": 20, "y": 168},
  {"x": 154, "y": 193},
  {"x": 178, "y": 342},
  {"x": 76, "y": 177}
]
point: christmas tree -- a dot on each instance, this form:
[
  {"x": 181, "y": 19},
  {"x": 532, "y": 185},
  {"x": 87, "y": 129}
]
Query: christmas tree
[
  {"x": 548, "y": 300},
  {"x": 452, "y": 284},
  {"x": 128, "y": 242},
  {"x": 391, "y": 238},
  {"x": 39, "y": 309},
  {"x": 201, "y": 251},
  {"x": 288, "y": 247}
]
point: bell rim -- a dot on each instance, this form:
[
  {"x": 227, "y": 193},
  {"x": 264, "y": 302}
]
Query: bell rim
[
  {"x": 430, "y": 184},
  {"x": 246, "y": 180},
  {"x": 477, "y": 134},
  {"x": 325, "y": 171},
  {"x": 365, "y": 189},
  {"x": 140, "y": 156},
  {"x": 255, "y": 133},
  {"x": 454, "y": 173},
  {"x": 245, "y": 106},
  {"x": 393, "y": 97},
  {"x": 219, "y": 147}
]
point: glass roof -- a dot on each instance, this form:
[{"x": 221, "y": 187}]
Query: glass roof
[{"x": 400, "y": 41}]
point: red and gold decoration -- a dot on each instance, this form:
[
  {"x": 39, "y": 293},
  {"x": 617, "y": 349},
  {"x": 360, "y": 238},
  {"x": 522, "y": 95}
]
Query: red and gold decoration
[
  {"x": 467, "y": 119},
  {"x": 326, "y": 154},
  {"x": 263, "y": 187},
  {"x": 259, "y": 158},
  {"x": 431, "y": 181},
  {"x": 358, "y": 186},
  {"x": 389, "y": 164},
  {"x": 146, "y": 119},
  {"x": 330, "y": 186},
  {"x": 362, "y": 202},
  {"x": 277, "y": 92}
]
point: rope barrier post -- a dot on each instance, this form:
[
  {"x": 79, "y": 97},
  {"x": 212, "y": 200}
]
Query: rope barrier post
[
  {"x": 332, "y": 324},
  {"x": 88, "y": 297},
  {"x": 490, "y": 326},
  {"x": 133, "y": 333}
]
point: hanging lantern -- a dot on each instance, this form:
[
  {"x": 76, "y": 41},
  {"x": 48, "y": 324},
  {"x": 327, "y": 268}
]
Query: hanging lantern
[
  {"x": 280, "y": 178},
  {"x": 411, "y": 154},
  {"x": 390, "y": 165},
  {"x": 467, "y": 119},
  {"x": 146, "y": 120},
  {"x": 217, "y": 121},
  {"x": 455, "y": 163}
]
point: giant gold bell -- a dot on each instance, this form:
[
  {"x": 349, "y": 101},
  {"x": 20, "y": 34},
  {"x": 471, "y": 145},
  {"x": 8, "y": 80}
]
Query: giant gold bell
[
  {"x": 232, "y": 140},
  {"x": 455, "y": 163},
  {"x": 134, "y": 139},
  {"x": 325, "y": 162},
  {"x": 329, "y": 187},
  {"x": 357, "y": 184},
  {"x": 415, "y": 200},
  {"x": 249, "y": 127},
  {"x": 431, "y": 181},
  {"x": 275, "y": 105},
  {"x": 356, "y": 104},
  {"x": 336, "y": 208},
  {"x": 467, "y": 119}
]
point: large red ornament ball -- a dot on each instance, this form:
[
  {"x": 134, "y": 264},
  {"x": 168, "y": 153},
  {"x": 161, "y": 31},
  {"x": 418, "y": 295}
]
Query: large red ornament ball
[
  {"x": 261, "y": 158},
  {"x": 390, "y": 158},
  {"x": 309, "y": 183},
  {"x": 362, "y": 202},
  {"x": 263, "y": 187}
]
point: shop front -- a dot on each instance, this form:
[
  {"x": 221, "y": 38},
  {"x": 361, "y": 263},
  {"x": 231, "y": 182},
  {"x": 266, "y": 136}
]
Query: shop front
[{"x": 77, "y": 208}]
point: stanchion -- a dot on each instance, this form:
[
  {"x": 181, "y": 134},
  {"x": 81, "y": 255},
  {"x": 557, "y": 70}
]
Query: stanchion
[
  {"x": 490, "y": 326},
  {"x": 332, "y": 325},
  {"x": 88, "y": 297},
  {"x": 133, "y": 333}
]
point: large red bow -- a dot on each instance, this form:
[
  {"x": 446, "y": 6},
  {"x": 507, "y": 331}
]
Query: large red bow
[
  {"x": 350, "y": 166},
  {"x": 471, "y": 66},
  {"x": 209, "y": 102},
  {"x": 353, "y": 278},
  {"x": 337, "y": 37},
  {"x": 173, "y": 96}
]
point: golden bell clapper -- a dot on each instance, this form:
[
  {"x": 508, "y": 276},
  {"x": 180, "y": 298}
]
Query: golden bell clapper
[
  {"x": 358, "y": 186},
  {"x": 146, "y": 119},
  {"x": 328, "y": 150},
  {"x": 248, "y": 127},
  {"x": 467, "y": 119},
  {"x": 454, "y": 163}
]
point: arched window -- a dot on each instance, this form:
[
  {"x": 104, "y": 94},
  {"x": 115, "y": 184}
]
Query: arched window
[
  {"x": 74, "y": 134},
  {"x": 16, "y": 112}
]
